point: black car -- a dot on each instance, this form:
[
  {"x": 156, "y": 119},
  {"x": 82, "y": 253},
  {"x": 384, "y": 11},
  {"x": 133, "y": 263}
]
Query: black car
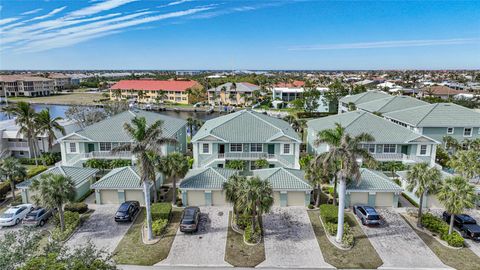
[
  {"x": 467, "y": 225},
  {"x": 190, "y": 219},
  {"x": 127, "y": 211},
  {"x": 37, "y": 217},
  {"x": 367, "y": 214}
]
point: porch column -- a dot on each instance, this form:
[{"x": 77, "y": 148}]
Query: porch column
[
  {"x": 307, "y": 198},
  {"x": 98, "y": 197},
  {"x": 395, "y": 200},
  {"x": 283, "y": 198},
  {"x": 371, "y": 199},
  {"x": 184, "y": 197},
  {"x": 208, "y": 197}
]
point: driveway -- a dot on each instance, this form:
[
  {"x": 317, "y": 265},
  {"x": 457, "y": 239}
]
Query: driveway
[
  {"x": 101, "y": 229},
  {"x": 474, "y": 246},
  {"x": 205, "y": 248},
  {"x": 398, "y": 245},
  {"x": 290, "y": 241}
]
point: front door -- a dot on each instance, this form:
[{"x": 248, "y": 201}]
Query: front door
[
  {"x": 271, "y": 149},
  {"x": 221, "y": 149},
  {"x": 90, "y": 147},
  {"x": 405, "y": 149}
]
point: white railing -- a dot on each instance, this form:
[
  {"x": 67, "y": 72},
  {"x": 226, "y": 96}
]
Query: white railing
[
  {"x": 18, "y": 144},
  {"x": 98, "y": 154},
  {"x": 246, "y": 156},
  {"x": 399, "y": 157}
]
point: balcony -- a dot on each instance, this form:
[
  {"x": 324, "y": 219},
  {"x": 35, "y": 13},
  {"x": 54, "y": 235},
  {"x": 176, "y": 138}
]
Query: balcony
[
  {"x": 109, "y": 155},
  {"x": 400, "y": 157},
  {"x": 245, "y": 155},
  {"x": 18, "y": 145}
]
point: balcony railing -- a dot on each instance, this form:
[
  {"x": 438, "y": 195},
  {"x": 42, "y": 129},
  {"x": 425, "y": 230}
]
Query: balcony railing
[
  {"x": 18, "y": 144},
  {"x": 400, "y": 157},
  {"x": 108, "y": 154},
  {"x": 245, "y": 155}
]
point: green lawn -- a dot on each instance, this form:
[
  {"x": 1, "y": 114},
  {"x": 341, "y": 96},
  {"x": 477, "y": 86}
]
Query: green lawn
[
  {"x": 131, "y": 249},
  {"x": 463, "y": 258},
  {"x": 362, "y": 255},
  {"x": 240, "y": 254}
]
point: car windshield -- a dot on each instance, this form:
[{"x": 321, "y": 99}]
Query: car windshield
[
  {"x": 123, "y": 208},
  {"x": 187, "y": 221},
  {"x": 32, "y": 215},
  {"x": 6, "y": 215},
  {"x": 373, "y": 217}
]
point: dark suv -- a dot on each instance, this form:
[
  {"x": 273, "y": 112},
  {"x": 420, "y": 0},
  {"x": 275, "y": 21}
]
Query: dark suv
[
  {"x": 465, "y": 224},
  {"x": 127, "y": 211},
  {"x": 190, "y": 219},
  {"x": 367, "y": 214}
]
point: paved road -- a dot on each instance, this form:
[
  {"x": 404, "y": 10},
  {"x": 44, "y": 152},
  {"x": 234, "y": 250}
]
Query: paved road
[
  {"x": 290, "y": 241},
  {"x": 399, "y": 246},
  {"x": 206, "y": 248},
  {"x": 101, "y": 229}
]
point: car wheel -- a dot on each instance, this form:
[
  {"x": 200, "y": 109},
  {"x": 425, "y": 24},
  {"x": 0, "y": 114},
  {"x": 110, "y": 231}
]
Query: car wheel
[
  {"x": 17, "y": 221},
  {"x": 42, "y": 222},
  {"x": 354, "y": 211},
  {"x": 363, "y": 221}
]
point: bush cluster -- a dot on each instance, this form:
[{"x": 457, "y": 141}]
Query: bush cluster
[
  {"x": 243, "y": 220},
  {"x": 252, "y": 236},
  {"x": 36, "y": 170},
  {"x": 159, "y": 226},
  {"x": 72, "y": 220},
  {"x": 105, "y": 164},
  {"x": 79, "y": 207},
  {"x": 45, "y": 158},
  {"x": 329, "y": 215},
  {"x": 161, "y": 210},
  {"x": 437, "y": 225}
]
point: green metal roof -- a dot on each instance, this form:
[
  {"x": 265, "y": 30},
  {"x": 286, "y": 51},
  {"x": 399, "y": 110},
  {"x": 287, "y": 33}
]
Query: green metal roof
[
  {"x": 391, "y": 103},
  {"x": 364, "y": 97},
  {"x": 246, "y": 126},
  {"x": 374, "y": 181},
  {"x": 206, "y": 178},
  {"x": 283, "y": 178},
  {"x": 122, "y": 178},
  {"x": 437, "y": 115},
  {"x": 77, "y": 174},
  {"x": 358, "y": 122},
  {"x": 111, "y": 129}
]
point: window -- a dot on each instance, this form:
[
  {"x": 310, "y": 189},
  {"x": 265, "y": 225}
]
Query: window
[
  {"x": 450, "y": 130},
  {"x": 105, "y": 146},
  {"x": 467, "y": 132},
  {"x": 236, "y": 147},
  {"x": 21, "y": 153},
  {"x": 256, "y": 147},
  {"x": 389, "y": 148},
  {"x": 369, "y": 147},
  {"x": 423, "y": 150},
  {"x": 72, "y": 147},
  {"x": 286, "y": 149},
  {"x": 205, "y": 148}
]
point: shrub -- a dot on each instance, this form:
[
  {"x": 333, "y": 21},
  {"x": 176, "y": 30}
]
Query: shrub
[
  {"x": 79, "y": 207},
  {"x": 310, "y": 206},
  {"x": 159, "y": 226},
  {"x": 331, "y": 228},
  {"x": 72, "y": 220},
  {"x": 438, "y": 226},
  {"x": 36, "y": 170},
  {"x": 243, "y": 220},
  {"x": 161, "y": 210},
  {"x": 4, "y": 189},
  {"x": 117, "y": 163},
  {"x": 454, "y": 239},
  {"x": 329, "y": 213},
  {"x": 251, "y": 236}
]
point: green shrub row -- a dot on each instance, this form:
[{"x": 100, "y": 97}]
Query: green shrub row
[
  {"x": 79, "y": 207},
  {"x": 72, "y": 220},
  {"x": 251, "y": 236},
  {"x": 105, "y": 164},
  {"x": 159, "y": 226},
  {"x": 329, "y": 213},
  {"x": 437, "y": 225},
  {"x": 47, "y": 158},
  {"x": 161, "y": 211},
  {"x": 36, "y": 170}
]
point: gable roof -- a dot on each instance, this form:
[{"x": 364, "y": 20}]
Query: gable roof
[
  {"x": 206, "y": 178},
  {"x": 122, "y": 178},
  {"x": 111, "y": 129},
  {"x": 389, "y": 104},
  {"x": 364, "y": 97},
  {"x": 358, "y": 122},
  {"x": 373, "y": 180},
  {"x": 293, "y": 84},
  {"x": 442, "y": 90},
  {"x": 284, "y": 178},
  {"x": 241, "y": 87},
  {"x": 246, "y": 126},
  {"x": 154, "y": 85},
  {"x": 437, "y": 115},
  {"x": 77, "y": 174}
]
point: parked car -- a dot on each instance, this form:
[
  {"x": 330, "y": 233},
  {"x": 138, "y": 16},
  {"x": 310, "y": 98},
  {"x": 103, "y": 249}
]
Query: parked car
[
  {"x": 190, "y": 219},
  {"x": 467, "y": 225},
  {"x": 367, "y": 214},
  {"x": 127, "y": 211},
  {"x": 15, "y": 214},
  {"x": 37, "y": 217}
]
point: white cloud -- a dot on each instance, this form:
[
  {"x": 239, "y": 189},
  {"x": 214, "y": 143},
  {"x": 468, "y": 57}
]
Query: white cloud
[
  {"x": 32, "y": 11},
  {"x": 386, "y": 44},
  {"x": 179, "y": 2},
  {"x": 7, "y": 20},
  {"x": 48, "y": 15},
  {"x": 99, "y": 7}
]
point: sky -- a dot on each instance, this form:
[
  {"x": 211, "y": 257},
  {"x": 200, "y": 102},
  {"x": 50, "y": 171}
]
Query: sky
[{"x": 239, "y": 35}]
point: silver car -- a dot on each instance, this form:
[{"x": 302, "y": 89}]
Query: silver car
[{"x": 367, "y": 214}]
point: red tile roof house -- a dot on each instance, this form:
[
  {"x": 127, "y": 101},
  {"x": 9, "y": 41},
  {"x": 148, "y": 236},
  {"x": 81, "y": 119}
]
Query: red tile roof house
[
  {"x": 441, "y": 91},
  {"x": 151, "y": 91}
]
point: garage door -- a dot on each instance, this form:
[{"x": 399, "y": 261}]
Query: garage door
[
  {"x": 384, "y": 199},
  {"x": 135, "y": 195},
  {"x": 276, "y": 198},
  {"x": 358, "y": 198},
  {"x": 196, "y": 198},
  {"x": 218, "y": 198},
  {"x": 109, "y": 196},
  {"x": 295, "y": 198}
]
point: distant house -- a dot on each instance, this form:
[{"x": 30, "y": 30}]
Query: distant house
[
  {"x": 83, "y": 178},
  {"x": 232, "y": 93},
  {"x": 97, "y": 140},
  {"x": 392, "y": 142},
  {"x": 61, "y": 81},
  {"x": 152, "y": 91},
  {"x": 440, "y": 91},
  {"x": 390, "y": 104},
  {"x": 25, "y": 86},
  {"x": 288, "y": 92},
  {"x": 351, "y": 102}
]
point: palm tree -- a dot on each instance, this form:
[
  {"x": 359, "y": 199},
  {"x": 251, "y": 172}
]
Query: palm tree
[
  {"x": 174, "y": 165},
  {"x": 233, "y": 188},
  {"x": 422, "y": 180},
  {"x": 190, "y": 122},
  {"x": 256, "y": 198},
  {"x": 466, "y": 163},
  {"x": 393, "y": 167},
  {"x": 317, "y": 176},
  {"x": 11, "y": 170},
  {"x": 456, "y": 194},
  {"x": 235, "y": 165},
  {"x": 261, "y": 163},
  {"x": 48, "y": 125},
  {"x": 346, "y": 153},
  {"x": 451, "y": 143},
  {"x": 147, "y": 141},
  {"x": 53, "y": 191}
]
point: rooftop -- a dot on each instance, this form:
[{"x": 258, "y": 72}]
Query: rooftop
[
  {"x": 77, "y": 174},
  {"x": 14, "y": 78},
  {"x": 154, "y": 85},
  {"x": 122, "y": 178},
  {"x": 240, "y": 87},
  {"x": 391, "y": 103},
  {"x": 373, "y": 180},
  {"x": 294, "y": 84},
  {"x": 442, "y": 90},
  {"x": 364, "y": 97}
]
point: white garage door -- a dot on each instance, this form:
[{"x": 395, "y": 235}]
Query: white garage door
[
  {"x": 109, "y": 196},
  {"x": 295, "y": 198},
  {"x": 276, "y": 198},
  {"x": 218, "y": 198},
  {"x": 196, "y": 198},
  {"x": 135, "y": 195},
  {"x": 384, "y": 199},
  {"x": 358, "y": 198}
]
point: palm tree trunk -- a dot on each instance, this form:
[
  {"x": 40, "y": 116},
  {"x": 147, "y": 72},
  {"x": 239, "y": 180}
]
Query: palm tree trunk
[
  {"x": 155, "y": 195},
  {"x": 12, "y": 187},
  {"x": 61, "y": 217},
  {"x": 174, "y": 188},
  {"x": 341, "y": 208},
  {"x": 335, "y": 190},
  {"x": 450, "y": 229},
  {"x": 254, "y": 217},
  {"x": 148, "y": 214},
  {"x": 420, "y": 206},
  {"x": 319, "y": 190}
]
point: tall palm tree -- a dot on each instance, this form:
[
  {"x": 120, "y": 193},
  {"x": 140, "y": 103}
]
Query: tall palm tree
[
  {"x": 317, "y": 176},
  {"x": 456, "y": 194},
  {"x": 466, "y": 163},
  {"x": 233, "y": 188},
  {"x": 147, "y": 141},
  {"x": 423, "y": 180},
  {"x": 11, "y": 170},
  {"x": 346, "y": 153},
  {"x": 48, "y": 125},
  {"x": 190, "y": 122},
  {"x": 256, "y": 199},
  {"x": 53, "y": 191},
  {"x": 176, "y": 166}
]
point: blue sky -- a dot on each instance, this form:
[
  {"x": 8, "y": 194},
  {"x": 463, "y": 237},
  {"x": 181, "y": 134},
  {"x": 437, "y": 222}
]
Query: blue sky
[{"x": 189, "y": 34}]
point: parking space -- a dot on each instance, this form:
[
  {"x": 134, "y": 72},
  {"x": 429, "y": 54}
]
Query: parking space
[
  {"x": 398, "y": 245},
  {"x": 205, "y": 248},
  {"x": 474, "y": 246},
  {"x": 101, "y": 229},
  {"x": 290, "y": 241}
]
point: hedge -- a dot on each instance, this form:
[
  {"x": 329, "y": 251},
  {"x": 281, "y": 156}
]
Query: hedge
[
  {"x": 72, "y": 220},
  {"x": 36, "y": 170},
  {"x": 161, "y": 210},
  {"x": 314, "y": 114},
  {"x": 329, "y": 213},
  {"x": 437, "y": 225},
  {"x": 107, "y": 164},
  {"x": 159, "y": 226},
  {"x": 47, "y": 158},
  {"x": 79, "y": 207}
]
